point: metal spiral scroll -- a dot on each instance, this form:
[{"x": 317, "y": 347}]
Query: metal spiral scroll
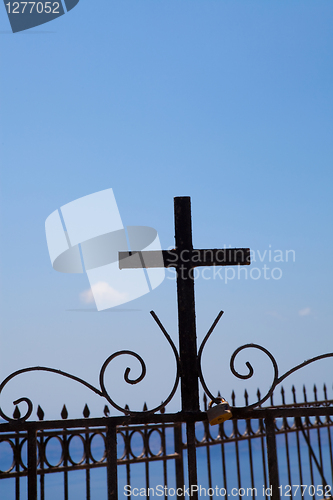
[
  {"x": 102, "y": 391},
  {"x": 276, "y": 380}
]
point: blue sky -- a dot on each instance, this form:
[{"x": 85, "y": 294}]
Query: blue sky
[{"x": 229, "y": 102}]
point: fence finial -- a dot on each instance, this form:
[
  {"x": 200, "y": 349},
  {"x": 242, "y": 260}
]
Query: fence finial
[
  {"x": 293, "y": 390},
  {"x": 64, "y": 413},
  {"x": 304, "y": 394},
  {"x": 40, "y": 413},
  {"x": 258, "y": 395},
  {"x": 282, "y": 395},
  {"x": 16, "y": 413},
  {"x": 246, "y": 397},
  {"x": 86, "y": 411}
]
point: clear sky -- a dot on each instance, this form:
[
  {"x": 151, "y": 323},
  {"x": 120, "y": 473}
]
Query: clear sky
[{"x": 226, "y": 101}]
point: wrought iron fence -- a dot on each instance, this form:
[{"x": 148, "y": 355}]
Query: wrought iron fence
[{"x": 150, "y": 457}]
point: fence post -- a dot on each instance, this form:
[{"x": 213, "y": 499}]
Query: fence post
[
  {"x": 111, "y": 457},
  {"x": 32, "y": 463},
  {"x": 17, "y": 466},
  {"x": 179, "y": 461},
  {"x": 187, "y": 329},
  {"x": 273, "y": 472},
  {"x": 192, "y": 459}
]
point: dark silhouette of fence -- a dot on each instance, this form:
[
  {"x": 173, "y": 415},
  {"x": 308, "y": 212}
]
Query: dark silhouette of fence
[{"x": 233, "y": 458}]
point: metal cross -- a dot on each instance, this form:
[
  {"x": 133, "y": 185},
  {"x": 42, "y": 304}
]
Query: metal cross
[{"x": 184, "y": 259}]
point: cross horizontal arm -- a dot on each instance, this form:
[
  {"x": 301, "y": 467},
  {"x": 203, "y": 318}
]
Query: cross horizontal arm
[{"x": 188, "y": 258}]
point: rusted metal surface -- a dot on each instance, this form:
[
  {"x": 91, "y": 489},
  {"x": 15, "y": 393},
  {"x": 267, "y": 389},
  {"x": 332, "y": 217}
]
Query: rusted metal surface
[
  {"x": 273, "y": 470},
  {"x": 111, "y": 460},
  {"x": 187, "y": 330},
  {"x": 194, "y": 258},
  {"x": 186, "y": 310},
  {"x": 32, "y": 463}
]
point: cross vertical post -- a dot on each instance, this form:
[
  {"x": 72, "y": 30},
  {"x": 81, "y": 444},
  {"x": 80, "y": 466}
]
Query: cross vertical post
[
  {"x": 184, "y": 259},
  {"x": 186, "y": 306},
  {"x": 187, "y": 329}
]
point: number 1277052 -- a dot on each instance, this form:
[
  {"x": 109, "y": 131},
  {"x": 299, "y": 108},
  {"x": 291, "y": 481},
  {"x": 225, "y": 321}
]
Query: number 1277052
[{"x": 30, "y": 7}]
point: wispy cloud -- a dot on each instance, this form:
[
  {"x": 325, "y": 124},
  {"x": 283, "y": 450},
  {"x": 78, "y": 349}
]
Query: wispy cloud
[
  {"x": 102, "y": 292},
  {"x": 305, "y": 312},
  {"x": 275, "y": 314}
]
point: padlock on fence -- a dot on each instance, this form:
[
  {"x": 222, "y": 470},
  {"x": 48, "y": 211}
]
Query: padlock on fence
[{"x": 219, "y": 413}]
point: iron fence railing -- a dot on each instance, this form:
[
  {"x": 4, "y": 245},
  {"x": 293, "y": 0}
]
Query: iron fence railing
[{"x": 146, "y": 455}]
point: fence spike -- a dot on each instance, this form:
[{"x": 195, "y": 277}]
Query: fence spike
[
  {"x": 64, "y": 413},
  {"x": 162, "y": 410},
  {"x": 106, "y": 411},
  {"x": 304, "y": 394},
  {"x": 315, "y": 392},
  {"x": 246, "y": 397},
  {"x": 40, "y": 413},
  {"x": 16, "y": 413},
  {"x": 218, "y": 394},
  {"x": 325, "y": 391},
  {"x": 233, "y": 398},
  {"x": 145, "y": 407},
  {"x": 258, "y": 394},
  {"x": 127, "y": 409},
  {"x": 205, "y": 401},
  {"x": 282, "y": 395},
  {"x": 293, "y": 390},
  {"x": 86, "y": 411}
]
